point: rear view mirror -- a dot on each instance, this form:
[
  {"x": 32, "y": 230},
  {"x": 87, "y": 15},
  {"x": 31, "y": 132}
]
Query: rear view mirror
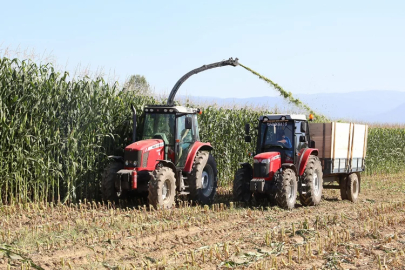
[
  {"x": 304, "y": 127},
  {"x": 248, "y": 138},
  {"x": 247, "y": 129},
  {"x": 189, "y": 123}
]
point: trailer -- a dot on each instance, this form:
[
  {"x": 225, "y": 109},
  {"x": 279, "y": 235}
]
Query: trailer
[{"x": 342, "y": 149}]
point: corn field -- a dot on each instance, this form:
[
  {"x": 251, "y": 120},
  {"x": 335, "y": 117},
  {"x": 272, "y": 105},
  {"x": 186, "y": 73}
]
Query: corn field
[{"x": 56, "y": 134}]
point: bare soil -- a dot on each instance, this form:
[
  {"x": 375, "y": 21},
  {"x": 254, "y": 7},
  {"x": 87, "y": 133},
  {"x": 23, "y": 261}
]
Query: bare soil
[{"x": 334, "y": 235}]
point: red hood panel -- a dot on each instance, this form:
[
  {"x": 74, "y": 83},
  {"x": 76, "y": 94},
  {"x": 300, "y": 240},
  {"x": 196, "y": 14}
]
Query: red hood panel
[
  {"x": 145, "y": 145},
  {"x": 266, "y": 155}
]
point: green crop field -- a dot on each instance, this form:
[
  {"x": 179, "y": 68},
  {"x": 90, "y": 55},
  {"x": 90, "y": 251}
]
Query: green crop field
[{"x": 56, "y": 134}]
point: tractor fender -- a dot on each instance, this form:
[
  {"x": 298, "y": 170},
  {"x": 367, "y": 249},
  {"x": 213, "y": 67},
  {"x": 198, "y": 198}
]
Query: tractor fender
[
  {"x": 290, "y": 166},
  {"x": 247, "y": 166},
  {"x": 116, "y": 158},
  {"x": 304, "y": 155},
  {"x": 193, "y": 152},
  {"x": 167, "y": 163}
]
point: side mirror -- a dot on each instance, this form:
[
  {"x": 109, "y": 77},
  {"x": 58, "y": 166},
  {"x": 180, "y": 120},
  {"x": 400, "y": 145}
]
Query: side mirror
[
  {"x": 311, "y": 144},
  {"x": 247, "y": 129},
  {"x": 248, "y": 138},
  {"x": 189, "y": 123},
  {"x": 303, "y": 138},
  {"x": 304, "y": 127}
]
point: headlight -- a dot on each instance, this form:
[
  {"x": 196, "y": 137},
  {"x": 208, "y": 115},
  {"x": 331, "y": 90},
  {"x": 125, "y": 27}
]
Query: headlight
[
  {"x": 135, "y": 163},
  {"x": 256, "y": 161},
  {"x": 126, "y": 162},
  {"x": 266, "y": 161}
]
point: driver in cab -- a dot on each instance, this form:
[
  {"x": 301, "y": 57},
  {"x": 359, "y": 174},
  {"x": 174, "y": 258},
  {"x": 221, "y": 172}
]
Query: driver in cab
[{"x": 285, "y": 140}]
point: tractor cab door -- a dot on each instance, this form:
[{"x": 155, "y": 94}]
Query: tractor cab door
[
  {"x": 301, "y": 137},
  {"x": 186, "y": 135}
]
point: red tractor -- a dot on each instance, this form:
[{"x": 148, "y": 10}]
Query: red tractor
[
  {"x": 286, "y": 162},
  {"x": 169, "y": 159}
]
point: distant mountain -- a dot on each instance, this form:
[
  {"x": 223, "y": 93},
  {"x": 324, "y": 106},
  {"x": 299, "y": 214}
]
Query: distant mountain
[{"x": 365, "y": 106}]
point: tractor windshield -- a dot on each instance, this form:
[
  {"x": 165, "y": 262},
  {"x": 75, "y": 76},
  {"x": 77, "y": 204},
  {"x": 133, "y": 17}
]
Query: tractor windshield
[
  {"x": 159, "y": 126},
  {"x": 276, "y": 134}
]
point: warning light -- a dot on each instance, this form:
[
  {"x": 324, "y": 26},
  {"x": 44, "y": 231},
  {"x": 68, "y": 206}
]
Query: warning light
[
  {"x": 311, "y": 117},
  {"x": 199, "y": 111}
]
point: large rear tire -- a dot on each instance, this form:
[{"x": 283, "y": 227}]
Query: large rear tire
[
  {"x": 108, "y": 192},
  {"x": 203, "y": 179},
  {"x": 352, "y": 187},
  {"x": 241, "y": 185},
  {"x": 312, "y": 182},
  {"x": 162, "y": 188},
  {"x": 287, "y": 189}
]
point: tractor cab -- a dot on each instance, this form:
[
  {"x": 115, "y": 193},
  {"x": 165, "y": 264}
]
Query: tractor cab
[
  {"x": 176, "y": 126},
  {"x": 285, "y": 134}
]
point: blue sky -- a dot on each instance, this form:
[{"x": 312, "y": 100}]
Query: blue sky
[{"x": 305, "y": 46}]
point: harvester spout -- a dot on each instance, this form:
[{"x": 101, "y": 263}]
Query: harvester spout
[{"x": 229, "y": 62}]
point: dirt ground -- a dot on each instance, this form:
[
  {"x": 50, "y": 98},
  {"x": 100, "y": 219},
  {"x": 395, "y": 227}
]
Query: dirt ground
[{"x": 334, "y": 235}]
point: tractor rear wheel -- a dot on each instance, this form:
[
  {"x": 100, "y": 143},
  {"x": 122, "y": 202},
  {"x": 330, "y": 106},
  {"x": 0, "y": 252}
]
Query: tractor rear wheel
[
  {"x": 108, "y": 192},
  {"x": 312, "y": 183},
  {"x": 287, "y": 189},
  {"x": 162, "y": 188},
  {"x": 352, "y": 187},
  {"x": 241, "y": 185},
  {"x": 203, "y": 178}
]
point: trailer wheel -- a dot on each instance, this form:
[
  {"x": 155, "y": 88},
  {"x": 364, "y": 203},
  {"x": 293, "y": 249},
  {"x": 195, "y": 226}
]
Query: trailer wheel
[
  {"x": 241, "y": 185},
  {"x": 108, "y": 192},
  {"x": 162, "y": 188},
  {"x": 312, "y": 183},
  {"x": 203, "y": 178},
  {"x": 343, "y": 189},
  {"x": 353, "y": 187},
  {"x": 287, "y": 189}
]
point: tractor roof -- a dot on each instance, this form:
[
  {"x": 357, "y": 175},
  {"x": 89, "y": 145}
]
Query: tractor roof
[
  {"x": 168, "y": 108},
  {"x": 284, "y": 117}
]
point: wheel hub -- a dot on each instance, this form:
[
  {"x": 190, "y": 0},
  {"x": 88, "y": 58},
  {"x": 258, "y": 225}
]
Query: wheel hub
[
  {"x": 165, "y": 190},
  {"x": 207, "y": 181},
  {"x": 316, "y": 184}
]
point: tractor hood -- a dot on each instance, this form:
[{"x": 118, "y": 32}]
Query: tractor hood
[
  {"x": 267, "y": 155},
  {"x": 145, "y": 145}
]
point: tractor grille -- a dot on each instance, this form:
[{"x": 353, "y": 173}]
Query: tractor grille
[
  {"x": 145, "y": 159},
  {"x": 261, "y": 170},
  {"x": 132, "y": 156}
]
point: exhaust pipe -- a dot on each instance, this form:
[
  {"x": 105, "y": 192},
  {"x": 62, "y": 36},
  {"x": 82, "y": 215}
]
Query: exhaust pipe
[{"x": 134, "y": 123}]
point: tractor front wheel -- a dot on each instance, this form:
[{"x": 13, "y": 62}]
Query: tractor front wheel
[
  {"x": 287, "y": 189},
  {"x": 241, "y": 185},
  {"x": 312, "y": 182},
  {"x": 162, "y": 188},
  {"x": 203, "y": 178},
  {"x": 108, "y": 192}
]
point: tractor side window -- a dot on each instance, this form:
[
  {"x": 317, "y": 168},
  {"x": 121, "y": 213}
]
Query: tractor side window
[
  {"x": 299, "y": 133},
  {"x": 185, "y": 139},
  {"x": 197, "y": 131}
]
